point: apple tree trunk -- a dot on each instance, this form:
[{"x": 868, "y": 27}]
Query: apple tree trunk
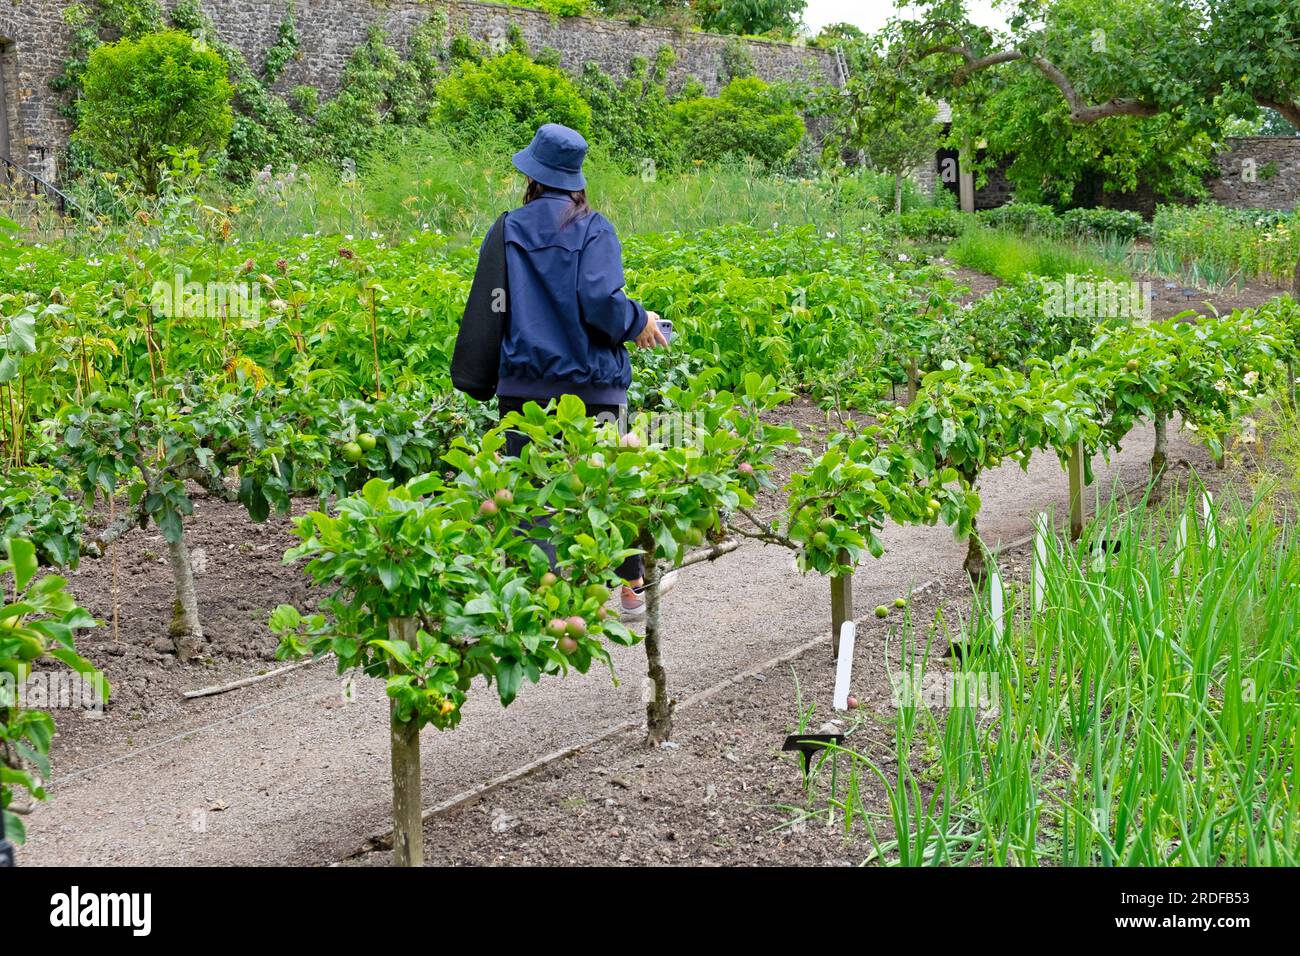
[
  {"x": 1160, "y": 453},
  {"x": 186, "y": 632},
  {"x": 659, "y": 706},
  {"x": 404, "y": 740},
  {"x": 974, "y": 564}
]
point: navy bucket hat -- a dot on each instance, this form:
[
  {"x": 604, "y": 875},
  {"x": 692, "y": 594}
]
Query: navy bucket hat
[{"x": 554, "y": 158}]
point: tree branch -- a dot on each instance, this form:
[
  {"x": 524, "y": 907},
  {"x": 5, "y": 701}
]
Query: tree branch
[
  {"x": 1289, "y": 110},
  {"x": 96, "y": 546},
  {"x": 711, "y": 553},
  {"x": 1080, "y": 111},
  {"x": 212, "y": 485},
  {"x": 765, "y": 532}
]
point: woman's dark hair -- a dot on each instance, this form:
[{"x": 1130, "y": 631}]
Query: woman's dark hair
[{"x": 577, "y": 209}]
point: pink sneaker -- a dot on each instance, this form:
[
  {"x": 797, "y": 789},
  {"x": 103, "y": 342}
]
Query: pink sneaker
[{"x": 631, "y": 601}]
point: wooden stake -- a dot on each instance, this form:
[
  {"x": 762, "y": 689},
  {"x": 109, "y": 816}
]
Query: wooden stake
[
  {"x": 374, "y": 344},
  {"x": 404, "y": 741},
  {"x": 1076, "y": 491},
  {"x": 114, "y": 590},
  {"x": 841, "y": 603}
]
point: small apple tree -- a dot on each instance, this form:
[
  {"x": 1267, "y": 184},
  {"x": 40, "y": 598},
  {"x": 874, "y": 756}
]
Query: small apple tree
[
  {"x": 1207, "y": 371},
  {"x": 968, "y": 417},
  {"x": 664, "y": 487},
  {"x": 435, "y": 582},
  {"x": 838, "y": 505}
]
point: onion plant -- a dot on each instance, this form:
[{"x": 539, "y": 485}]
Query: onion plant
[{"x": 1147, "y": 713}]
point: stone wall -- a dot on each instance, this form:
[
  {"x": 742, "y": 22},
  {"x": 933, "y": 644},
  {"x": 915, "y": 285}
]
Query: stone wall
[
  {"x": 330, "y": 29},
  {"x": 33, "y": 46},
  {"x": 1259, "y": 172},
  {"x": 35, "y": 42}
]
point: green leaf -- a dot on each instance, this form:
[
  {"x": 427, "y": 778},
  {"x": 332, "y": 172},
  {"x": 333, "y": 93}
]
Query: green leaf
[
  {"x": 509, "y": 675},
  {"x": 23, "y": 555}
]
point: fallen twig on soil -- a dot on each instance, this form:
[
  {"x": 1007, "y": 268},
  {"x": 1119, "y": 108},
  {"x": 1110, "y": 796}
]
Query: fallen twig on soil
[{"x": 245, "y": 681}]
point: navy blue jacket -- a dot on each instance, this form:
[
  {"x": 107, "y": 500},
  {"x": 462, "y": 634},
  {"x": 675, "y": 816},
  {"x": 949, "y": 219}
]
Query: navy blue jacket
[{"x": 569, "y": 317}]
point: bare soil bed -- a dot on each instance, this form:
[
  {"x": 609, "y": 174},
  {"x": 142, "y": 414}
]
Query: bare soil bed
[
  {"x": 1170, "y": 298},
  {"x": 240, "y": 575}
]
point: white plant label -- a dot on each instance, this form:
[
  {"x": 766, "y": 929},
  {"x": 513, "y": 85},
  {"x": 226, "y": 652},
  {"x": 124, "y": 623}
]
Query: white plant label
[
  {"x": 1041, "y": 531},
  {"x": 1207, "y": 511},
  {"x": 1180, "y": 545},
  {"x": 997, "y": 600},
  {"x": 844, "y": 667}
]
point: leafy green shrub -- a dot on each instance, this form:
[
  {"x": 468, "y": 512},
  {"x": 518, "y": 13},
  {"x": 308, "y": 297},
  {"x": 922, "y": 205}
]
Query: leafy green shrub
[
  {"x": 1022, "y": 217},
  {"x": 629, "y": 117},
  {"x": 1097, "y": 223},
  {"x": 778, "y": 18},
  {"x": 559, "y": 8},
  {"x": 145, "y": 98},
  {"x": 748, "y": 118},
  {"x": 512, "y": 94},
  {"x": 930, "y": 225}
]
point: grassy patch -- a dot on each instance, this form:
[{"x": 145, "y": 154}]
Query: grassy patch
[{"x": 1009, "y": 256}]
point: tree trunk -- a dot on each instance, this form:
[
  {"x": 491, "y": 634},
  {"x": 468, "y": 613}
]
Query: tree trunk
[
  {"x": 1159, "y": 454},
  {"x": 1076, "y": 491},
  {"x": 913, "y": 380},
  {"x": 898, "y": 195},
  {"x": 404, "y": 749},
  {"x": 186, "y": 631},
  {"x": 974, "y": 564},
  {"x": 1295, "y": 282},
  {"x": 966, "y": 176},
  {"x": 659, "y": 707},
  {"x": 841, "y": 603}
]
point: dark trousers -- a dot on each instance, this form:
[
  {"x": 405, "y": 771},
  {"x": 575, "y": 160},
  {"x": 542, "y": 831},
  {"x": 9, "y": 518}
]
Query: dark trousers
[{"x": 632, "y": 568}]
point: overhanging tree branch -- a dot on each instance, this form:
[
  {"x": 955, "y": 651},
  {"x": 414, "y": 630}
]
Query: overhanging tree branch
[
  {"x": 1080, "y": 111},
  {"x": 1291, "y": 111}
]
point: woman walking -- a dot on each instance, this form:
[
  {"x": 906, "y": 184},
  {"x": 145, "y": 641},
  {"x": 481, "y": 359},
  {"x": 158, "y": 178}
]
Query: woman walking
[{"x": 569, "y": 318}]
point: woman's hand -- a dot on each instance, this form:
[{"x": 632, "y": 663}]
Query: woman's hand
[{"x": 651, "y": 336}]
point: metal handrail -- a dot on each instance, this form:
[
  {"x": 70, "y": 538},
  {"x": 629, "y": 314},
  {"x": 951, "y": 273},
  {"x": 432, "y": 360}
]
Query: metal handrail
[{"x": 61, "y": 199}]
